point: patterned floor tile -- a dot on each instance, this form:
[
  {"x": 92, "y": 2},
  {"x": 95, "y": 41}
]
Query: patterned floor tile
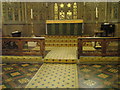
[
  {"x": 17, "y": 75},
  {"x": 55, "y": 76},
  {"x": 98, "y": 76},
  {"x": 62, "y": 53}
]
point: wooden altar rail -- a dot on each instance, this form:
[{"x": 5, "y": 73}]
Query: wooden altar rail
[
  {"x": 104, "y": 45},
  {"x": 20, "y": 42}
]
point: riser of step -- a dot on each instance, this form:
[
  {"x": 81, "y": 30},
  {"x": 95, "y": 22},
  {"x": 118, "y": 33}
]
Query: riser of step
[
  {"x": 85, "y": 60},
  {"x": 66, "y": 42},
  {"x": 61, "y": 37},
  {"x": 52, "y": 36},
  {"x": 62, "y": 41},
  {"x": 60, "y": 60},
  {"x": 67, "y": 45},
  {"x": 21, "y": 59}
]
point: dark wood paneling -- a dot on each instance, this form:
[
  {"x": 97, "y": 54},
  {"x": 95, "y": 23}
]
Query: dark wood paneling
[{"x": 45, "y": 11}]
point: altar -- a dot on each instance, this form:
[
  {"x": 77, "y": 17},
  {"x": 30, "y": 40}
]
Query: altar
[{"x": 64, "y": 27}]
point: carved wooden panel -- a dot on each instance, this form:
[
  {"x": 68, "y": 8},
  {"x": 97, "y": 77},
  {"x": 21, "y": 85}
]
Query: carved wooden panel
[
  {"x": 65, "y": 10},
  {"x": 0, "y": 17},
  {"x": 89, "y": 12},
  {"x": 12, "y": 11},
  {"x": 51, "y": 10},
  {"x": 102, "y": 14},
  {"x": 113, "y": 11},
  {"x": 20, "y": 13},
  {"x": 81, "y": 10},
  {"x": 119, "y": 12},
  {"x": 8, "y": 11}
]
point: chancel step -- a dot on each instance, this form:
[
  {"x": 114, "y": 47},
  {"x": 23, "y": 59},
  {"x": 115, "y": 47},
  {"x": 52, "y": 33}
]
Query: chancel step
[{"x": 61, "y": 40}]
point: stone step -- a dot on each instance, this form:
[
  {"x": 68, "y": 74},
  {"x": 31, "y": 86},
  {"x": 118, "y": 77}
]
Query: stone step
[
  {"x": 61, "y": 40},
  {"x": 58, "y": 36},
  {"x": 14, "y": 59},
  {"x": 60, "y": 60},
  {"x": 61, "y": 45}
]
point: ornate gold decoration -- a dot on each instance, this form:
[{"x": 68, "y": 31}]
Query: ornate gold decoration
[
  {"x": 75, "y": 11},
  {"x": 62, "y": 15},
  {"x": 62, "y": 5},
  {"x": 69, "y": 5},
  {"x": 69, "y": 15},
  {"x": 56, "y": 11},
  {"x": 61, "y": 12}
]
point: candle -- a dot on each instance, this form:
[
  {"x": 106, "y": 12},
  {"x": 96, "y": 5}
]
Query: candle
[
  {"x": 46, "y": 4},
  {"x": 84, "y": 3},
  {"x": 96, "y": 12},
  {"x": 31, "y": 13}
]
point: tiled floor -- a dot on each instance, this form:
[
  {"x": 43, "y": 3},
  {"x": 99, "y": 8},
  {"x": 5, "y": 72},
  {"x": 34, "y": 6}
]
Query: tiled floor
[
  {"x": 62, "y": 53},
  {"x": 17, "y": 75},
  {"x": 37, "y": 75},
  {"x": 60, "y": 75},
  {"x": 55, "y": 76},
  {"x": 98, "y": 76}
]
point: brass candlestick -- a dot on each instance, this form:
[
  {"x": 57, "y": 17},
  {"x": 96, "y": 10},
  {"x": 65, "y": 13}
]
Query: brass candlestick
[{"x": 32, "y": 32}]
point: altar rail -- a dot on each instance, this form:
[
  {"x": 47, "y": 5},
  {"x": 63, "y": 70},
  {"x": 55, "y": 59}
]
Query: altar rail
[
  {"x": 101, "y": 46},
  {"x": 23, "y": 46}
]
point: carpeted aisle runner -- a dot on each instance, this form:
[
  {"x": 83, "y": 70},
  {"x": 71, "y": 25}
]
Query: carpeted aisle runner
[{"x": 55, "y": 76}]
